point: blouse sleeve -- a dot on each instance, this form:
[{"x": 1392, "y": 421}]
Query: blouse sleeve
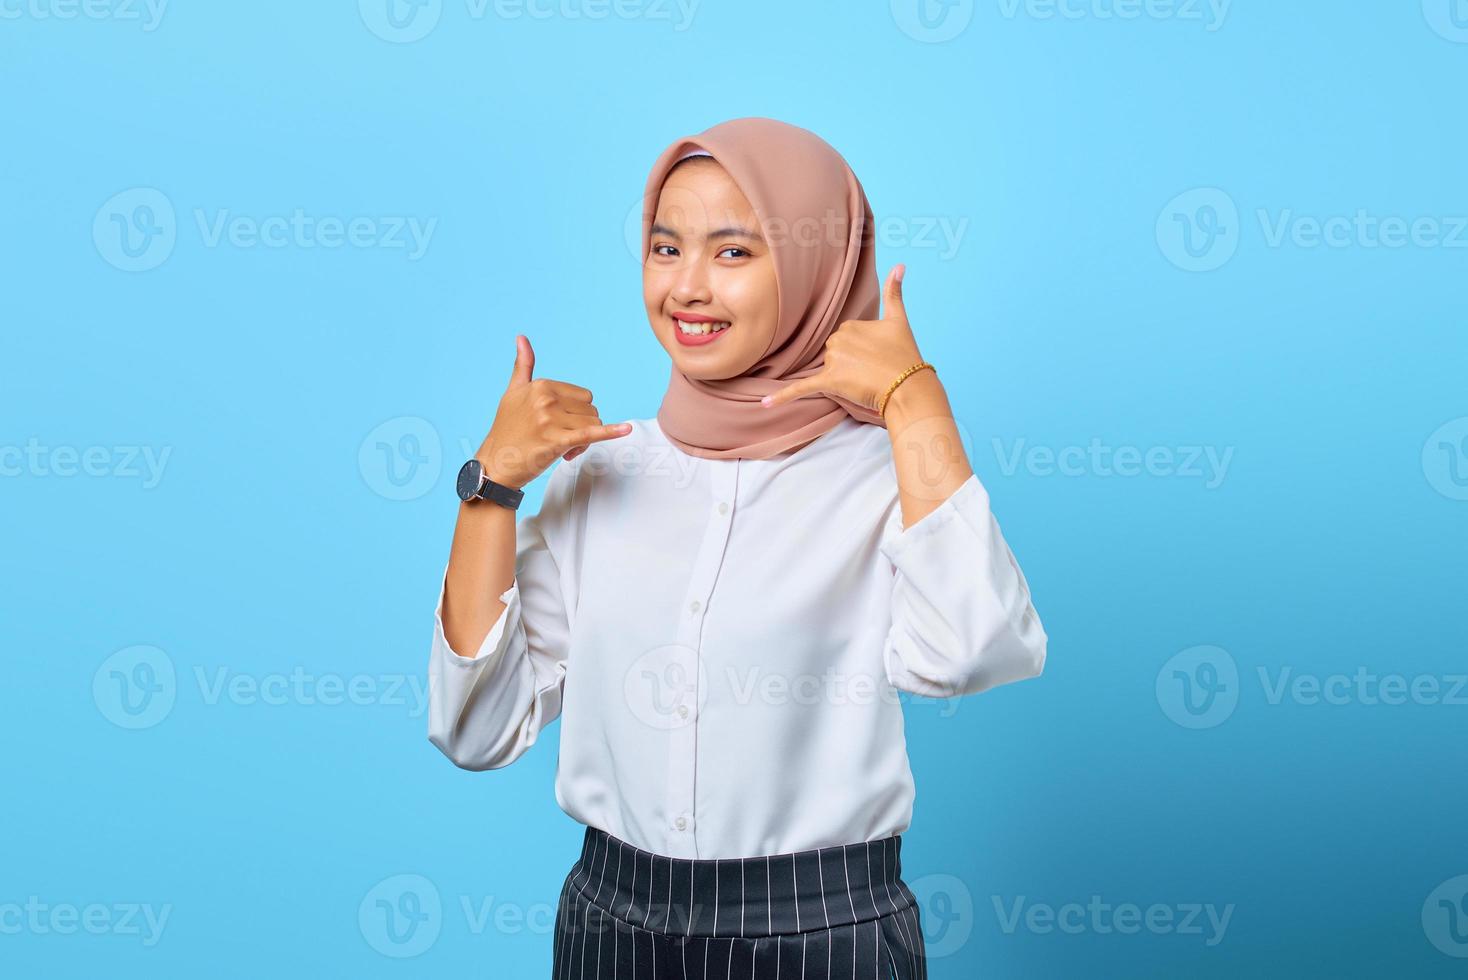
[
  {"x": 962, "y": 620},
  {"x": 485, "y": 711}
]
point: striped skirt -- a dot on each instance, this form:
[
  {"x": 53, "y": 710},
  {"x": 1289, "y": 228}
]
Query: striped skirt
[{"x": 831, "y": 913}]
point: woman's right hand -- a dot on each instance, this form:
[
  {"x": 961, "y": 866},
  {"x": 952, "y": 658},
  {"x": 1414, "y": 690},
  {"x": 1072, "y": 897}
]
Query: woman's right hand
[{"x": 538, "y": 420}]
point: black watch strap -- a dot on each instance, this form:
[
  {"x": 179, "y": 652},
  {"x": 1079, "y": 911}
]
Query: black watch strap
[{"x": 500, "y": 494}]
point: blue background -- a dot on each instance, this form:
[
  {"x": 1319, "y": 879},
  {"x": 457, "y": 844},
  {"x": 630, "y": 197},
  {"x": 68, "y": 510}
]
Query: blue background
[{"x": 1082, "y": 304}]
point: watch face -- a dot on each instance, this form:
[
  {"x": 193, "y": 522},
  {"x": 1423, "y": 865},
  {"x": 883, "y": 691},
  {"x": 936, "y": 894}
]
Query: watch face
[{"x": 468, "y": 484}]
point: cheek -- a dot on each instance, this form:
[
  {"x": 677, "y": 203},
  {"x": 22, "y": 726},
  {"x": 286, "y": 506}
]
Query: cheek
[
  {"x": 654, "y": 290},
  {"x": 750, "y": 298}
]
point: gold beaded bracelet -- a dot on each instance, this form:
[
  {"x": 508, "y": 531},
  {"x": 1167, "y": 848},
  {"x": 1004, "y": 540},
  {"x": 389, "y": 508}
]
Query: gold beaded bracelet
[{"x": 882, "y": 405}]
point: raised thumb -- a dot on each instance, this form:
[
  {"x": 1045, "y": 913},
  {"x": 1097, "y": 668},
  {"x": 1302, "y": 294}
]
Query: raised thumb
[{"x": 524, "y": 360}]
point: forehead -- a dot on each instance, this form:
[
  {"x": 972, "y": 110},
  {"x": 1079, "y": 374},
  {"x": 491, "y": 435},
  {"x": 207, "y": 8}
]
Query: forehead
[{"x": 701, "y": 191}]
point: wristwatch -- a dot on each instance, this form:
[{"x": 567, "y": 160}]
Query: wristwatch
[{"x": 473, "y": 484}]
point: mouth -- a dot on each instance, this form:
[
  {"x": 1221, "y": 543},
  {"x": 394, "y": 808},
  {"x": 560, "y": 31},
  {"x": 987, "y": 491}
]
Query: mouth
[{"x": 696, "y": 332}]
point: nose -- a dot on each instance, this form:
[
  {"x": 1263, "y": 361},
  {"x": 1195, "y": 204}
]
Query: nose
[{"x": 690, "y": 281}]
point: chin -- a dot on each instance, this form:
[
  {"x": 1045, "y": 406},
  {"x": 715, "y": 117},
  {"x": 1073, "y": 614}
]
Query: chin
[{"x": 703, "y": 372}]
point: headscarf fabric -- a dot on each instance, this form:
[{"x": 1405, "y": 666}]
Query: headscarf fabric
[{"x": 816, "y": 218}]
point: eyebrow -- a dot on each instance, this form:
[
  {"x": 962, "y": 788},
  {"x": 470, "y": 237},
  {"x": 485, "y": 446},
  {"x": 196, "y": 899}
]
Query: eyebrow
[{"x": 660, "y": 229}]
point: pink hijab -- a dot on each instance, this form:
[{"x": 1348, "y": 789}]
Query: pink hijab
[{"x": 826, "y": 273}]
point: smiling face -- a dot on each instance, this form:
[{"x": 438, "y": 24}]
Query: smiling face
[{"x": 708, "y": 279}]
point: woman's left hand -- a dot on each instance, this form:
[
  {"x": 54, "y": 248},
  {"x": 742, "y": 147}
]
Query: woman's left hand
[{"x": 862, "y": 357}]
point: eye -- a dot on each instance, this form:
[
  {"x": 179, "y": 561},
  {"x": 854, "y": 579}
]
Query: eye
[
  {"x": 735, "y": 248},
  {"x": 656, "y": 250}
]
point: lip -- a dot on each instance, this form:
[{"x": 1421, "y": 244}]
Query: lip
[{"x": 697, "y": 340}]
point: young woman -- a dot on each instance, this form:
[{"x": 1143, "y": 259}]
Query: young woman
[{"x": 721, "y": 602}]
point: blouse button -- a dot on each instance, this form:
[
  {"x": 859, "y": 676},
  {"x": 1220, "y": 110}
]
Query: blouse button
[
  {"x": 681, "y": 823},
  {"x": 693, "y": 606},
  {"x": 682, "y": 711},
  {"x": 723, "y": 507}
]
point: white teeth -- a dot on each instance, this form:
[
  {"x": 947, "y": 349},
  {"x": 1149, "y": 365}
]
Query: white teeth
[{"x": 701, "y": 328}]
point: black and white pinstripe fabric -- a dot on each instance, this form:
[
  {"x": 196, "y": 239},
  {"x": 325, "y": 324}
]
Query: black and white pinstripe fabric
[{"x": 831, "y": 913}]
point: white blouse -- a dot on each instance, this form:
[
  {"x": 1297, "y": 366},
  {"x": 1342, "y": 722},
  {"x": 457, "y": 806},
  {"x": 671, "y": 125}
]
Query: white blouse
[{"x": 725, "y": 639}]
